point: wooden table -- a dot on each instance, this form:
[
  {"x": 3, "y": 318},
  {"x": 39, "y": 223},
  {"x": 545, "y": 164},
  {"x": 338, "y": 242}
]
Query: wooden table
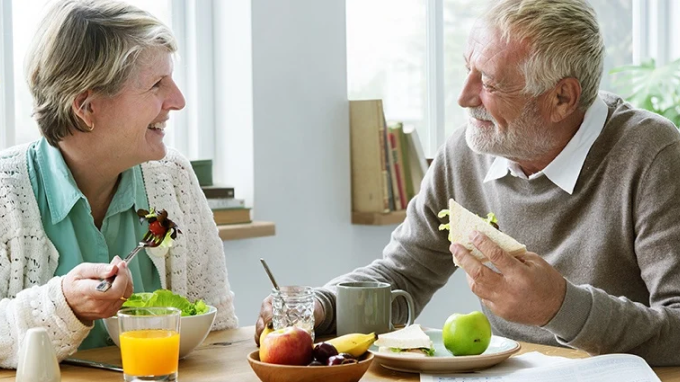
[{"x": 222, "y": 357}]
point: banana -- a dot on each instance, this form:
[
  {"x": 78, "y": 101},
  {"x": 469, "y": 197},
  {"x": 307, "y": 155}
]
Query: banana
[
  {"x": 267, "y": 329},
  {"x": 355, "y": 344}
]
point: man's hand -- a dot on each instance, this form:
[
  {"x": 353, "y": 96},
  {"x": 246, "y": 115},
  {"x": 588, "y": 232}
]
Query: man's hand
[
  {"x": 89, "y": 304},
  {"x": 527, "y": 290},
  {"x": 267, "y": 314}
]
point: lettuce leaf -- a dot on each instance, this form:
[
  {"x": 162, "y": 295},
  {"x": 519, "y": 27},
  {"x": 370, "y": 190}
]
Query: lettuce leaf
[
  {"x": 428, "y": 351},
  {"x": 165, "y": 298},
  {"x": 490, "y": 219}
]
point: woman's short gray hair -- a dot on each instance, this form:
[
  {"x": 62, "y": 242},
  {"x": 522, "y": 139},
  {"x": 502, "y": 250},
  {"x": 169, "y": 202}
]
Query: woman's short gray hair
[
  {"x": 86, "y": 45},
  {"x": 564, "y": 39}
]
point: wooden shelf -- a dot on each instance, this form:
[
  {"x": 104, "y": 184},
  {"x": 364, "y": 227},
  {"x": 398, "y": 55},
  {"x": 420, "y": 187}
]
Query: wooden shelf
[
  {"x": 376, "y": 218},
  {"x": 246, "y": 231}
]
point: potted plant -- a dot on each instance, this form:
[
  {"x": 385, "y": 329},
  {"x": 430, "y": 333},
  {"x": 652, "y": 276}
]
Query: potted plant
[{"x": 651, "y": 87}]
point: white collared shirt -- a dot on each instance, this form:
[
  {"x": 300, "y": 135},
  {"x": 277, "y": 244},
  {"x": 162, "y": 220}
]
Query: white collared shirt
[{"x": 564, "y": 170}]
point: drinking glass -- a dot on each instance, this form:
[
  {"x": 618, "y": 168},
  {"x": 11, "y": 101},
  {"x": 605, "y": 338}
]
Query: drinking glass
[
  {"x": 293, "y": 306},
  {"x": 149, "y": 343}
]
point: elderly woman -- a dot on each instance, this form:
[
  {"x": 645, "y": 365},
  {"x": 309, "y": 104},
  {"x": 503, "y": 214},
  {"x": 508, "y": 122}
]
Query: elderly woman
[{"x": 101, "y": 76}]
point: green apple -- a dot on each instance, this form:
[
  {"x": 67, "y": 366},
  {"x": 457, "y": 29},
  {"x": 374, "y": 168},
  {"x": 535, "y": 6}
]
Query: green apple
[{"x": 466, "y": 334}]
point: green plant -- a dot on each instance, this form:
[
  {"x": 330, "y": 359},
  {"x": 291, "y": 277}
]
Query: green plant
[{"x": 651, "y": 87}]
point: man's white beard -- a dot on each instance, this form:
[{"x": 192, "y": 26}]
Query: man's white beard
[{"x": 525, "y": 139}]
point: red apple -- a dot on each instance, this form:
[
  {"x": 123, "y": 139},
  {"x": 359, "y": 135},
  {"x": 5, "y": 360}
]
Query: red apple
[{"x": 287, "y": 346}]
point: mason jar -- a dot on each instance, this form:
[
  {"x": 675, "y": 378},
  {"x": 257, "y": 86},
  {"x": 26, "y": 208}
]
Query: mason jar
[{"x": 293, "y": 306}]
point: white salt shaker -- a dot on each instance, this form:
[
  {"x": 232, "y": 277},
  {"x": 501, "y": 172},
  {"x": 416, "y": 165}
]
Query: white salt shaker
[{"x": 37, "y": 358}]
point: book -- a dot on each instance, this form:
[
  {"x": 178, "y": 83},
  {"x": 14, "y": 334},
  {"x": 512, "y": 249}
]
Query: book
[
  {"x": 367, "y": 150},
  {"x": 223, "y": 203},
  {"x": 218, "y": 191},
  {"x": 389, "y": 175},
  {"x": 536, "y": 366},
  {"x": 400, "y": 198},
  {"x": 405, "y": 160},
  {"x": 232, "y": 215},
  {"x": 417, "y": 162}
]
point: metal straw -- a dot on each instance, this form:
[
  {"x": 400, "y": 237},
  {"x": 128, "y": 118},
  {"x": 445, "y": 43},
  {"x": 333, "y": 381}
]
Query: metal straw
[
  {"x": 269, "y": 273},
  {"x": 276, "y": 286}
]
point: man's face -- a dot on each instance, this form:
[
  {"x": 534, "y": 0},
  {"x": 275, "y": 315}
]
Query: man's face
[{"x": 503, "y": 121}]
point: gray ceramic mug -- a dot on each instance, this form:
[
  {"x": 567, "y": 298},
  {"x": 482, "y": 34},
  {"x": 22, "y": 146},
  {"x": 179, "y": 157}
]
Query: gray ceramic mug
[{"x": 365, "y": 307}]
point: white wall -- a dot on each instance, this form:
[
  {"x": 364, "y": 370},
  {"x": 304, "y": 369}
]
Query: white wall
[{"x": 301, "y": 161}]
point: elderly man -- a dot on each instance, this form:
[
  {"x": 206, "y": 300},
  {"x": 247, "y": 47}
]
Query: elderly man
[{"x": 582, "y": 178}]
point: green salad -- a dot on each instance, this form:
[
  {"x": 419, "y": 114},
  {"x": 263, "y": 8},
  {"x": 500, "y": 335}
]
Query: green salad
[{"x": 166, "y": 299}]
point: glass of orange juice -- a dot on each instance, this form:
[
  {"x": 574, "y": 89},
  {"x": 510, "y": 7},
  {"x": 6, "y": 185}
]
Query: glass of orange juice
[{"x": 149, "y": 343}]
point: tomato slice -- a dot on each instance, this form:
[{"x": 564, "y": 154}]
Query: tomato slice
[{"x": 157, "y": 229}]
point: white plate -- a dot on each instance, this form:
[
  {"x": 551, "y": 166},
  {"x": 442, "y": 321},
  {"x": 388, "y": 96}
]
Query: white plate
[{"x": 498, "y": 351}]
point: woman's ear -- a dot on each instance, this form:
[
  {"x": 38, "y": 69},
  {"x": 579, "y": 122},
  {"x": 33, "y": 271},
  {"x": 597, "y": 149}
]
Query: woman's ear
[
  {"x": 83, "y": 108},
  {"x": 565, "y": 99}
]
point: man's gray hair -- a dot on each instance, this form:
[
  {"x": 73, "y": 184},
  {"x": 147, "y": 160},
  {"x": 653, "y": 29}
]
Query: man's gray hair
[
  {"x": 564, "y": 41},
  {"x": 86, "y": 45}
]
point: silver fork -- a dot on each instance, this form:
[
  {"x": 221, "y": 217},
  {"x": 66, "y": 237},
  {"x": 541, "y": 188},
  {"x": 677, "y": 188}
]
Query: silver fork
[{"x": 150, "y": 240}]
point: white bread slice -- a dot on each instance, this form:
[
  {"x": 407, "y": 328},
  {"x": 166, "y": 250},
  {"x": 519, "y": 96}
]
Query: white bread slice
[
  {"x": 409, "y": 337},
  {"x": 463, "y": 222}
]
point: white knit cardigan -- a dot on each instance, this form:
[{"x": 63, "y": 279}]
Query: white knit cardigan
[{"x": 31, "y": 296}]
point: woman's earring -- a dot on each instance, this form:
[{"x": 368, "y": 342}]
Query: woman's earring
[{"x": 91, "y": 127}]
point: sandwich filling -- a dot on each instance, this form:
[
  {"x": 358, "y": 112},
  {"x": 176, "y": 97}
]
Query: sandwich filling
[{"x": 411, "y": 340}]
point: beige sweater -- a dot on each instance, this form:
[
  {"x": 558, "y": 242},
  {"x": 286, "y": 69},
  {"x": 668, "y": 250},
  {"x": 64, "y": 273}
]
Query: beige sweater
[
  {"x": 616, "y": 239},
  {"x": 30, "y": 294}
]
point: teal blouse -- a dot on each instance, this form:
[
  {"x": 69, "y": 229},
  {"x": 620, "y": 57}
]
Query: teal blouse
[{"x": 67, "y": 219}]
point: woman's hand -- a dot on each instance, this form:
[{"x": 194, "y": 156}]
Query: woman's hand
[{"x": 89, "y": 304}]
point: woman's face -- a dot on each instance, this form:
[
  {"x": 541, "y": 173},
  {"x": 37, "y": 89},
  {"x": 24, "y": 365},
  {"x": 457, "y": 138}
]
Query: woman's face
[{"x": 130, "y": 125}]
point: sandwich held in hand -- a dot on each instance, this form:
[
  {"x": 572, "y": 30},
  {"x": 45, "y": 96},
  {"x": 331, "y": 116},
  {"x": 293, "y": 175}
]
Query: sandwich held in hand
[
  {"x": 411, "y": 340},
  {"x": 466, "y": 334},
  {"x": 463, "y": 222}
]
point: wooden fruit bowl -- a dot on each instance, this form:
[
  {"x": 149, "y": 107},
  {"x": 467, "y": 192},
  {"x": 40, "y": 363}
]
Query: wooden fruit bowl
[{"x": 270, "y": 372}]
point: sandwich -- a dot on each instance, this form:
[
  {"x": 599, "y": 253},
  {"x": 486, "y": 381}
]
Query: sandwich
[
  {"x": 411, "y": 340},
  {"x": 461, "y": 224}
]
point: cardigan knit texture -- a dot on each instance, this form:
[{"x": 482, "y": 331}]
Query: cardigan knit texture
[
  {"x": 616, "y": 240},
  {"x": 30, "y": 294}
]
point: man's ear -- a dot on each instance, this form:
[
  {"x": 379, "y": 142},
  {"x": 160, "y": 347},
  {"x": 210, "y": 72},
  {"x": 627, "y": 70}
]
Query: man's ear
[
  {"x": 82, "y": 107},
  {"x": 564, "y": 99}
]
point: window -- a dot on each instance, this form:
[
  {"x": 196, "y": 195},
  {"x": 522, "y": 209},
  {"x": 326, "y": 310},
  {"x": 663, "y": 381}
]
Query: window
[
  {"x": 24, "y": 24},
  {"x": 386, "y": 41},
  {"x": 410, "y": 53},
  {"x": 192, "y": 133}
]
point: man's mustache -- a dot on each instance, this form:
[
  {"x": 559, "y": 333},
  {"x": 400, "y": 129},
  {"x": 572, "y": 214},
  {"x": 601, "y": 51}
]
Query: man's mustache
[{"x": 480, "y": 113}]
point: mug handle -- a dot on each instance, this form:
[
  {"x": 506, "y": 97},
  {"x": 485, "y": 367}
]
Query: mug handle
[{"x": 409, "y": 302}]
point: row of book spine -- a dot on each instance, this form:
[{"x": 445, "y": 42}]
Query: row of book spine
[
  {"x": 388, "y": 161},
  {"x": 225, "y": 207}
]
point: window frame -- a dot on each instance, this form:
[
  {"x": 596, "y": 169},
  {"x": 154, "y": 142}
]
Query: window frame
[
  {"x": 192, "y": 23},
  {"x": 6, "y": 76},
  {"x": 648, "y": 42}
]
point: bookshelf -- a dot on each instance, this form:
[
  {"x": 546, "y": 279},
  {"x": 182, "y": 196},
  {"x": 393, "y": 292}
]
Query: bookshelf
[
  {"x": 387, "y": 165},
  {"x": 376, "y": 218},
  {"x": 246, "y": 231}
]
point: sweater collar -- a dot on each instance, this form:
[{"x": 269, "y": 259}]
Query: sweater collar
[{"x": 564, "y": 170}]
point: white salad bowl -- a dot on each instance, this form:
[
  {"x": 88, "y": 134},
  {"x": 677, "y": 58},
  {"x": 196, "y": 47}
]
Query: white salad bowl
[{"x": 192, "y": 330}]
